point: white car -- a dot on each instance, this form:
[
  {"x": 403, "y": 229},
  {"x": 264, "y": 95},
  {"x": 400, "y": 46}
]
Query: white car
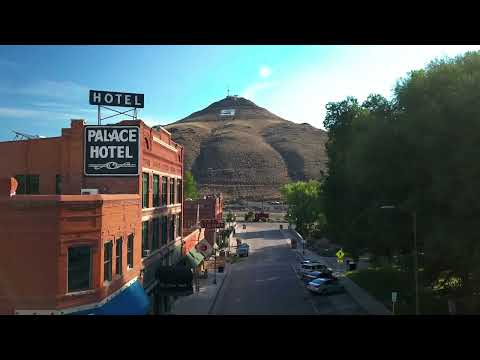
[{"x": 325, "y": 286}]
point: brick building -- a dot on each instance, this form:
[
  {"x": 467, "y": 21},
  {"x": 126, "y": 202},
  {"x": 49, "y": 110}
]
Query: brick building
[
  {"x": 63, "y": 252},
  {"x": 208, "y": 208}
]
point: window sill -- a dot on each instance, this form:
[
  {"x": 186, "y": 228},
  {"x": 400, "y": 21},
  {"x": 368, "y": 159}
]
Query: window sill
[
  {"x": 83, "y": 292},
  {"x": 161, "y": 207}
]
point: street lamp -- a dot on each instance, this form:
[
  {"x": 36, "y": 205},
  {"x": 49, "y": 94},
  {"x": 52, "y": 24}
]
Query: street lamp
[
  {"x": 215, "y": 247},
  {"x": 415, "y": 253}
]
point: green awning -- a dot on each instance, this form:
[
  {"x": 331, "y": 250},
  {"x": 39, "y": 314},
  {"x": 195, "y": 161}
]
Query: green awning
[{"x": 194, "y": 258}]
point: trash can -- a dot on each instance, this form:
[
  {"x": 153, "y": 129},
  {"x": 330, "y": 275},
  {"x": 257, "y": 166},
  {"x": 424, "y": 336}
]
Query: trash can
[{"x": 352, "y": 266}]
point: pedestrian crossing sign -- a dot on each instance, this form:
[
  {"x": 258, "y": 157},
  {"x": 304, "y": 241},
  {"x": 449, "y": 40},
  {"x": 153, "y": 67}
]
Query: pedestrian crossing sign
[{"x": 340, "y": 254}]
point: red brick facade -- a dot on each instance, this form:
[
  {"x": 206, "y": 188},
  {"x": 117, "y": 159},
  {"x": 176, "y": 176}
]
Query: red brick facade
[
  {"x": 37, "y": 230},
  {"x": 210, "y": 207}
]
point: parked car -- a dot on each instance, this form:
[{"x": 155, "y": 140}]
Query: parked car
[
  {"x": 325, "y": 286},
  {"x": 307, "y": 277},
  {"x": 314, "y": 266},
  {"x": 243, "y": 250}
]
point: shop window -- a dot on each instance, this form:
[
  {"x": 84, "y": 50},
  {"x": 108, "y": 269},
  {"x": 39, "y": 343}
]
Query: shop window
[
  {"x": 145, "y": 190},
  {"x": 79, "y": 277},
  {"x": 164, "y": 190},
  {"x": 156, "y": 191},
  {"x": 156, "y": 233},
  {"x": 130, "y": 251},
  {"x": 58, "y": 184},
  {"x": 107, "y": 261},
  {"x": 164, "y": 229},
  {"x": 172, "y": 191},
  {"x": 28, "y": 184},
  {"x": 172, "y": 228},
  {"x": 145, "y": 248},
  {"x": 118, "y": 257}
]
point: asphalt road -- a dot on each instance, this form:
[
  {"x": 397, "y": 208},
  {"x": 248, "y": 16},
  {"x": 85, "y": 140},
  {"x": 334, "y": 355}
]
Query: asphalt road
[{"x": 266, "y": 282}]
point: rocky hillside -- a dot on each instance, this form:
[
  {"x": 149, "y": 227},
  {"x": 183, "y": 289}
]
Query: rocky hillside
[{"x": 250, "y": 153}]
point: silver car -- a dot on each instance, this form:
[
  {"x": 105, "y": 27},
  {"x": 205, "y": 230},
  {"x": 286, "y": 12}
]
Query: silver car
[{"x": 325, "y": 286}]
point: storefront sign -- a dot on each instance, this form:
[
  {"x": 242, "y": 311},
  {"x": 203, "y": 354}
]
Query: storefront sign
[
  {"x": 110, "y": 98},
  {"x": 204, "y": 248},
  {"x": 111, "y": 150},
  {"x": 213, "y": 224}
]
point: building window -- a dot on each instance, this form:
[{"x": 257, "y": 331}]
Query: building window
[
  {"x": 156, "y": 191},
  {"x": 107, "y": 261},
  {"x": 164, "y": 190},
  {"x": 156, "y": 233},
  {"x": 177, "y": 225},
  {"x": 79, "y": 268},
  {"x": 145, "y": 193},
  {"x": 180, "y": 223},
  {"x": 179, "y": 191},
  {"x": 172, "y": 228},
  {"x": 28, "y": 184},
  {"x": 164, "y": 230},
  {"x": 58, "y": 184},
  {"x": 144, "y": 238},
  {"x": 172, "y": 191},
  {"x": 130, "y": 251},
  {"x": 118, "y": 257}
]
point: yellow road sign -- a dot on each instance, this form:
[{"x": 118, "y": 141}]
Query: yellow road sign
[
  {"x": 340, "y": 254},
  {"x": 339, "y": 260}
]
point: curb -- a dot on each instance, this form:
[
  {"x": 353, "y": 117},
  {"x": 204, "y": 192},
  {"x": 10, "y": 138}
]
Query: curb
[
  {"x": 212, "y": 306},
  {"x": 368, "y": 309}
]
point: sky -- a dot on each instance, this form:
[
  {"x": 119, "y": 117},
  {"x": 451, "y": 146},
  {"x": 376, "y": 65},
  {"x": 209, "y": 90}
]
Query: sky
[{"x": 43, "y": 87}]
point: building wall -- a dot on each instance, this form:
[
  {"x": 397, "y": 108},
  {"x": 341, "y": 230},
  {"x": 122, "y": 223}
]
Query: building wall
[
  {"x": 35, "y": 157},
  {"x": 28, "y": 259},
  {"x": 36, "y": 234},
  {"x": 208, "y": 208},
  {"x": 43, "y": 226}
]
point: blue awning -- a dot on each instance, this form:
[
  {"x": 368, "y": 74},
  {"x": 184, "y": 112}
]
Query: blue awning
[{"x": 130, "y": 301}]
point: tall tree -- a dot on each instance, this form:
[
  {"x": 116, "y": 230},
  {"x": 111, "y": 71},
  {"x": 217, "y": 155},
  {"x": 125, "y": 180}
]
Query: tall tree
[
  {"x": 190, "y": 186},
  {"x": 304, "y": 204}
]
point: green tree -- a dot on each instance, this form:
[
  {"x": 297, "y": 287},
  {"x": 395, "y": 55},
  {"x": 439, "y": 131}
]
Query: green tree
[
  {"x": 249, "y": 216},
  {"x": 230, "y": 217},
  {"x": 190, "y": 186},
  {"x": 304, "y": 204},
  {"x": 418, "y": 151}
]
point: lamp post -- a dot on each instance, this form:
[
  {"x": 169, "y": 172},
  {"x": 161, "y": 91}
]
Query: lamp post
[
  {"x": 215, "y": 258},
  {"x": 415, "y": 254}
]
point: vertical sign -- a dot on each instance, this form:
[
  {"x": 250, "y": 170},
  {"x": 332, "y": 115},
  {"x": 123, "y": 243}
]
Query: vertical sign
[{"x": 111, "y": 150}]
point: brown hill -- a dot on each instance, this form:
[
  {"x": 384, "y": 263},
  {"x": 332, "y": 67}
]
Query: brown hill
[{"x": 252, "y": 153}]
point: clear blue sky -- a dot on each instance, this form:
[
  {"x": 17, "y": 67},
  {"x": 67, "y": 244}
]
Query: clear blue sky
[{"x": 43, "y": 87}]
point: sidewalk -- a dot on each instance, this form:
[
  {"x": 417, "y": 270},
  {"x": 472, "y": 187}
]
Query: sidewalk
[
  {"x": 202, "y": 302},
  {"x": 364, "y": 299}
]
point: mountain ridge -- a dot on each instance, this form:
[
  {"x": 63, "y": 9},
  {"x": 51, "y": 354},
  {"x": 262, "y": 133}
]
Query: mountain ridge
[{"x": 250, "y": 150}]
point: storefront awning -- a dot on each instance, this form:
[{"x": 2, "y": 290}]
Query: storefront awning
[
  {"x": 194, "y": 258},
  {"x": 174, "y": 276},
  {"x": 130, "y": 301}
]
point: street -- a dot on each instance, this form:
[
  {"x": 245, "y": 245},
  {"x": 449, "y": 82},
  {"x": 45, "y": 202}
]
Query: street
[{"x": 266, "y": 282}]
